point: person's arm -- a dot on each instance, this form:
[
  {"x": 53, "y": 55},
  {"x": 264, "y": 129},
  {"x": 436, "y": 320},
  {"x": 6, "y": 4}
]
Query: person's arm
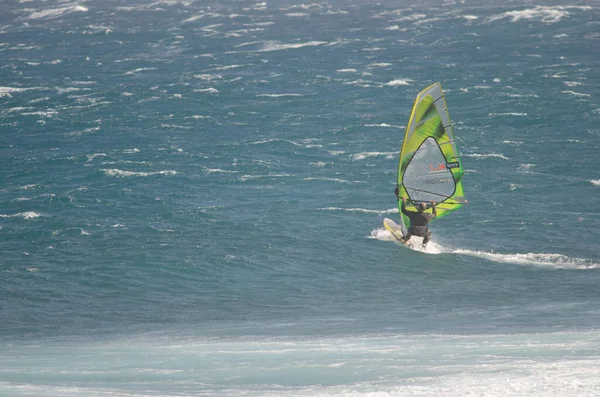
[
  {"x": 433, "y": 210},
  {"x": 404, "y": 210}
]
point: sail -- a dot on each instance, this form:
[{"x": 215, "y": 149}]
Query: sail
[{"x": 430, "y": 168}]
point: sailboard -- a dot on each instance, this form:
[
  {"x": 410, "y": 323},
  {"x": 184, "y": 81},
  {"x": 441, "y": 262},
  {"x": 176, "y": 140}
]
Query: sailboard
[{"x": 430, "y": 168}]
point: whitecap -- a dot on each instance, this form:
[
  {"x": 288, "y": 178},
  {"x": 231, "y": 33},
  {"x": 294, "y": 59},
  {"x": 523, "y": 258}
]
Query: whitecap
[
  {"x": 211, "y": 90},
  {"x": 364, "y": 155},
  {"x": 330, "y": 180},
  {"x": 135, "y": 71},
  {"x": 277, "y": 46},
  {"x": 123, "y": 174},
  {"x": 595, "y": 182},
  {"x": 397, "y": 82},
  {"x": 362, "y": 210},
  {"x": 218, "y": 170},
  {"x": 478, "y": 155},
  {"x": 543, "y": 14},
  {"x": 279, "y": 95},
  {"x": 24, "y": 215},
  {"x": 526, "y": 166},
  {"x": 91, "y": 157},
  {"x": 576, "y": 93},
  {"x": 507, "y": 114},
  {"x": 244, "y": 178},
  {"x": 56, "y": 12}
]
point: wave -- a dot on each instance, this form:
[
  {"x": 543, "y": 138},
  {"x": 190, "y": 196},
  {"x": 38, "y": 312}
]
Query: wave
[
  {"x": 397, "y": 82},
  {"x": 363, "y": 210},
  {"x": 244, "y": 178},
  {"x": 278, "y": 95},
  {"x": 497, "y": 155},
  {"x": 277, "y": 46},
  {"x": 576, "y": 93},
  {"x": 123, "y": 174},
  {"x": 543, "y": 14},
  {"x": 24, "y": 215},
  {"x": 364, "y": 155},
  {"x": 595, "y": 182},
  {"x": 331, "y": 180},
  {"x": 385, "y": 125},
  {"x": 135, "y": 71},
  {"x": 56, "y": 12},
  {"x": 218, "y": 170},
  {"x": 507, "y": 114}
]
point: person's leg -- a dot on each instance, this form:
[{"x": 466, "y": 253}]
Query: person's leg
[
  {"x": 426, "y": 238},
  {"x": 407, "y": 236}
]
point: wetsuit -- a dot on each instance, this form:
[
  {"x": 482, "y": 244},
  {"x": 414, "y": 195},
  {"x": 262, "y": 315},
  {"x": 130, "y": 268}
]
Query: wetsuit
[{"x": 418, "y": 224}]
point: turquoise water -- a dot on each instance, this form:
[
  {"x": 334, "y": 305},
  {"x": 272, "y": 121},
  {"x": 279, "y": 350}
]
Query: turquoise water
[{"x": 193, "y": 195}]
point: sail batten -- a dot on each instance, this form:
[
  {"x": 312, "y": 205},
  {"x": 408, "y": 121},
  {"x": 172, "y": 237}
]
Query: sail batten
[{"x": 430, "y": 168}]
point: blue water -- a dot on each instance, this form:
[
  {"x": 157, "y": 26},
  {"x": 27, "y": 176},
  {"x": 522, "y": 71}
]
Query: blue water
[{"x": 193, "y": 193}]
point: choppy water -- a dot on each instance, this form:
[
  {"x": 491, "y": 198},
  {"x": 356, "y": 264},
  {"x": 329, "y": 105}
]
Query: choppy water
[{"x": 193, "y": 194}]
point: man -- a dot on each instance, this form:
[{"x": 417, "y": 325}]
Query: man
[{"x": 418, "y": 221}]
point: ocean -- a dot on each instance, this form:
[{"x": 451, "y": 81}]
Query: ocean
[{"x": 193, "y": 193}]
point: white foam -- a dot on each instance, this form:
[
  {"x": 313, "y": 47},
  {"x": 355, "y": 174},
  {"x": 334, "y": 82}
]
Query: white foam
[
  {"x": 331, "y": 180},
  {"x": 576, "y": 93},
  {"x": 380, "y": 65},
  {"x": 541, "y": 13},
  {"x": 478, "y": 155},
  {"x": 211, "y": 90},
  {"x": 27, "y": 187},
  {"x": 24, "y": 215},
  {"x": 526, "y": 166},
  {"x": 362, "y": 210},
  {"x": 227, "y": 67},
  {"x": 549, "y": 260},
  {"x": 365, "y": 155},
  {"x": 415, "y": 243},
  {"x": 91, "y": 157},
  {"x": 346, "y": 70},
  {"x": 507, "y": 114},
  {"x": 244, "y": 178},
  {"x": 56, "y": 12},
  {"x": 277, "y": 46},
  {"x": 384, "y": 125},
  {"x": 279, "y": 95},
  {"x": 218, "y": 170},
  {"x": 135, "y": 71},
  {"x": 123, "y": 174},
  {"x": 595, "y": 182},
  {"x": 398, "y": 82},
  {"x": 208, "y": 77}
]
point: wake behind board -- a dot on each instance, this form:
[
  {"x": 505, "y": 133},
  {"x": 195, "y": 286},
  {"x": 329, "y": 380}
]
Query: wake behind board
[{"x": 396, "y": 231}]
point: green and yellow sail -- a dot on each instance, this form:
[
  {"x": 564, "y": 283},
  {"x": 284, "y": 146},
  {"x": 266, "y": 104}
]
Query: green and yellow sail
[{"x": 430, "y": 168}]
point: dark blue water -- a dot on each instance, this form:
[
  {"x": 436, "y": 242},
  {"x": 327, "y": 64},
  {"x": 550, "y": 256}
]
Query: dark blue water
[{"x": 193, "y": 195}]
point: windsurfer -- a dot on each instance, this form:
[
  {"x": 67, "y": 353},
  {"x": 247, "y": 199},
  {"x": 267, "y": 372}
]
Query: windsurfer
[{"x": 418, "y": 221}]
